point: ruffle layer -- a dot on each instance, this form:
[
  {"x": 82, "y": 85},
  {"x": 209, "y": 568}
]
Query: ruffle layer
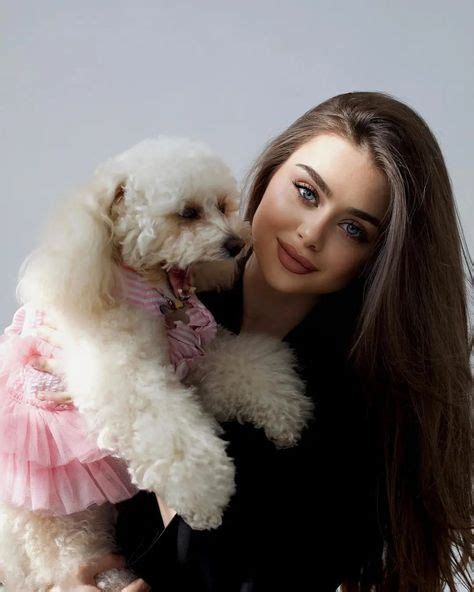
[
  {"x": 188, "y": 340},
  {"x": 48, "y": 460},
  {"x": 49, "y": 437},
  {"x": 64, "y": 490}
]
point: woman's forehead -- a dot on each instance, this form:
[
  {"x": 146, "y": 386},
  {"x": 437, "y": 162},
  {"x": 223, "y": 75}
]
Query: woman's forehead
[
  {"x": 329, "y": 148},
  {"x": 347, "y": 171}
]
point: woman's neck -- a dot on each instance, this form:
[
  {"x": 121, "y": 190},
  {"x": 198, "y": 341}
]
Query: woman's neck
[{"x": 266, "y": 310}]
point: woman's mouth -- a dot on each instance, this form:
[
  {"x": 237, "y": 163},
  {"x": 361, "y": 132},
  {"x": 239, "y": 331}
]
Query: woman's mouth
[{"x": 290, "y": 263}]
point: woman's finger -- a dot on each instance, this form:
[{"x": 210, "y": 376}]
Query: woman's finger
[
  {"x": 49, "y": 334},
  {"x": 50, "y": 321},
  {"x": 57, "y": 396},
  {"x": 72, "y": 587},
  {"x": 137, "y": 586},
  {"x": 49, "y": 365}
]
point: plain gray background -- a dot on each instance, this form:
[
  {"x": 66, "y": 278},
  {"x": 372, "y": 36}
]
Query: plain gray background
[{"x": 84, "y": 80}]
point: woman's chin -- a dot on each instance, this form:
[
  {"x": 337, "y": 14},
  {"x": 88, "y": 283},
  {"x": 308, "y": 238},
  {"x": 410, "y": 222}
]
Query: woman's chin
[{"x": 287, "y": 282}]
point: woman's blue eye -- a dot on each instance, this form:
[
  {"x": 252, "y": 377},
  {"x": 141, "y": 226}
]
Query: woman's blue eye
[
  {"x": 306, "y": 193},
  {"x": 310, "y": 196},
  {"x": 355, "y": 232}
]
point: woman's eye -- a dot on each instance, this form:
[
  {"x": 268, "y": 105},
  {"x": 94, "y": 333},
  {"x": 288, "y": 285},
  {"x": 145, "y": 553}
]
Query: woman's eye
[
  {"x": 306, "y": 193},
  {"x": 355, "y": 232}
]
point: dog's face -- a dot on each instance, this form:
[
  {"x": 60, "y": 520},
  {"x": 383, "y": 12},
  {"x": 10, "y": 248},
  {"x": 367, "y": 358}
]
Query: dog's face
[{"x": 176, "y": 205}]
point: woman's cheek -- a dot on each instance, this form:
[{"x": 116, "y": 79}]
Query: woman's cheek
[
  {"x": 342, "y": 269},
  {"x": 267, "y": 222}
]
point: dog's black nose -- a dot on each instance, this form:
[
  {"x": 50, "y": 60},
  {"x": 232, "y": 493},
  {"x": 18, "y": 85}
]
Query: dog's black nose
[{"x": 234, "y": 245}]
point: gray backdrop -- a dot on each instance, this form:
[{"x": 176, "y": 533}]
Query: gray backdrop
[{"x": 84, "y": 80}]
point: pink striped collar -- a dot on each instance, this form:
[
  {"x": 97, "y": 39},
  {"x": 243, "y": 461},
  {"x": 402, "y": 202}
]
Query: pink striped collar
[
  {"x": 189, "y": 327},
  {"x": 138, "y": 292}
]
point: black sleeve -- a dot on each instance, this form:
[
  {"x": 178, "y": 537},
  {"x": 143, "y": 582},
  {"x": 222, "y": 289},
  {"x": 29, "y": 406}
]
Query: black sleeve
[
  {"x": 307, "y": 514},
  {"x": 140, "y": 536},
  {"x": 180, "y": 558}
]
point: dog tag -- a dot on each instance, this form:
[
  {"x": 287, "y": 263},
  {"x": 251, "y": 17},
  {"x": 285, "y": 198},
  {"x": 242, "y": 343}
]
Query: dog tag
[{"x": 176, "y": 315}]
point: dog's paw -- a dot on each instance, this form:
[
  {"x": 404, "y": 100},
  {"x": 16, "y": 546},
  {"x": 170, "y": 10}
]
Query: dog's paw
[
  {"x": 202, "y": 486},
  {"x": 197, "y": 481},
  {"x": 286, "y": 421},
  {"x": 202, "y": 521},
  {"x": 252, "y": 378}
]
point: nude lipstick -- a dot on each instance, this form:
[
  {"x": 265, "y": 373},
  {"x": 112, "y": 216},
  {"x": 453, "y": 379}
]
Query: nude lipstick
[{"x": 291, "y": 261}]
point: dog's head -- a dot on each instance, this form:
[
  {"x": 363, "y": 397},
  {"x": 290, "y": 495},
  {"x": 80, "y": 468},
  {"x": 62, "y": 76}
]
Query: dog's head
[
  {"x": 175, "y": 205},
  {"x": 166, "y": 202}
]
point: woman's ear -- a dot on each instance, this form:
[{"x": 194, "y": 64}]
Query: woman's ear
[{"x": 72, "y": 270}]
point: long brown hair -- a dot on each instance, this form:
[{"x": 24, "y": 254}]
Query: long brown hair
[{"x": 411, "y": 347}]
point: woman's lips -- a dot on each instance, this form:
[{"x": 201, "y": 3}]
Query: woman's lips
[{"x": 290, "y": 263}]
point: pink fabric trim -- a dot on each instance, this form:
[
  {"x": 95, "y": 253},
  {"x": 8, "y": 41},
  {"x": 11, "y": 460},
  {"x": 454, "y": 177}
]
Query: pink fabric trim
[{"x": 49, "y": 460}]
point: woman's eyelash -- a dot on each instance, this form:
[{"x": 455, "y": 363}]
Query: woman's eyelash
[
  {"x": 361, "y": 237},
  {"x": 309, "y": 189}
]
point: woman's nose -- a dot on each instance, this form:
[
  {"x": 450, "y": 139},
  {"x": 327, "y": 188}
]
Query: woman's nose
[{"x": 311, "y": 234}]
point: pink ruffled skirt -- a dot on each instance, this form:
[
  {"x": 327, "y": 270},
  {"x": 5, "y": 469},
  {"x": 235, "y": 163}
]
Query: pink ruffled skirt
[{"x": 48, "y": 460}]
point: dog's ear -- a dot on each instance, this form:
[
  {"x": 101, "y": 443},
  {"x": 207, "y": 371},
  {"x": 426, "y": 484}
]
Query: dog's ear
[
  {"x": 72, "y": 269},
  {"x": 117, "y": 204}
]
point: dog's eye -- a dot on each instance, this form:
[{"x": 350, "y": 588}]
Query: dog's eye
[
  {"x": 221, "y": 206},
  {"x": 190, "y": 213}
]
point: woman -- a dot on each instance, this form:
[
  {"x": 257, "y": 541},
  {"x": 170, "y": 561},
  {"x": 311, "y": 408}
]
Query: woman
[{"x": 357, "y": 265}]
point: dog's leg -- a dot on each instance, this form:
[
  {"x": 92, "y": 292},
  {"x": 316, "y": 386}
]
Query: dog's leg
[
  {"x": 14, "y": 562},
  {"x": 252, "y": 378},
  {"x": 39, "y": 551},
  {"x": 122, "y": 381}
]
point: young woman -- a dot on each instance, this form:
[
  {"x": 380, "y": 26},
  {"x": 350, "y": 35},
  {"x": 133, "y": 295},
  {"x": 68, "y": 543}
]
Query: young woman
[{"x": 357, "y": 264}]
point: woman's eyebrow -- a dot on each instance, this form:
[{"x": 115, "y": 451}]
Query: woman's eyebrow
[
  {"x": 322, "y": 185},
  {"x": 316, "y": 178},
  {"x": 364, "y": 216}
]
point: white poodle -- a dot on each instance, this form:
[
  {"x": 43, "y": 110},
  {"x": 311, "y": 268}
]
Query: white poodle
[{"x": 116, "y": 269}]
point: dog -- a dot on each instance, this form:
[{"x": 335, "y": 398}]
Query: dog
[{"x": 118, "y": 268}]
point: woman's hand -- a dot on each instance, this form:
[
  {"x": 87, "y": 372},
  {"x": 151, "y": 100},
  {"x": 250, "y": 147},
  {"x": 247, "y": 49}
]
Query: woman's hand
[
  {"x": 137, "y": 586},
  {"x": 52, "y": 365},
  {"x": 84, "y": 579}
]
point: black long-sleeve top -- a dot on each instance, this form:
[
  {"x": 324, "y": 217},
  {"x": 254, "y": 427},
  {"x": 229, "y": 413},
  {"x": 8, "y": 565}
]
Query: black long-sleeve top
[{"x": 302, "y": 518}]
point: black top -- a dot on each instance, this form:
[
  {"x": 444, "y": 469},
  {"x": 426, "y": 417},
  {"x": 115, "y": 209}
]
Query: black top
[{"x": 302, "y": 517}]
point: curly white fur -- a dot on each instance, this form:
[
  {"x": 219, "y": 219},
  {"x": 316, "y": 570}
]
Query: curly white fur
[
  {"x": 116, "y": 358},
  {"x": 235, "y": 369}
]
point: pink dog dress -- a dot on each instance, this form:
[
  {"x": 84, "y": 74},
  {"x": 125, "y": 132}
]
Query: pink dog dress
[
  {"x": 48, "y": 460},
  {"x": 188, "y": 335}
]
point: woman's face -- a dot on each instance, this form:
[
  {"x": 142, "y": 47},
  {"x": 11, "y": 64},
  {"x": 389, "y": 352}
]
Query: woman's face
[{"x": 318, "y": 219}]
